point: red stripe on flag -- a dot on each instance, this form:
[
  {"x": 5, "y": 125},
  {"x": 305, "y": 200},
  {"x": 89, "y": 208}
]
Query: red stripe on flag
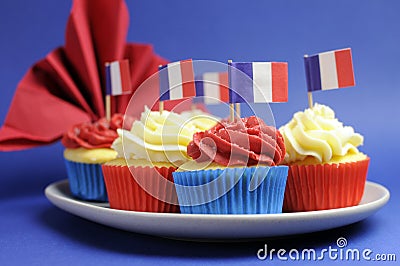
[
  {"x": 344, "y": 68},
  {"x": 188, "y": 85},
  {"x": 125, "y": 76},
  {"x": 279, "y": 82},
  {"x": 223, "y": 87}
]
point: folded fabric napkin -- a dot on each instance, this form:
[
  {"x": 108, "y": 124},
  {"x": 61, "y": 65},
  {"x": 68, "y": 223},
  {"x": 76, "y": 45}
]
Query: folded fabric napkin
[{"x": 68, "y": 86}]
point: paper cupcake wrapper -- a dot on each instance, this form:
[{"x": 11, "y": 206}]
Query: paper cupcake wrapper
[
  {"x": 252, "y": 190},
  {"x": 86, "y": 181},
  {"x": 325, "y": 186},
  {"x": 125, "y": 192}
]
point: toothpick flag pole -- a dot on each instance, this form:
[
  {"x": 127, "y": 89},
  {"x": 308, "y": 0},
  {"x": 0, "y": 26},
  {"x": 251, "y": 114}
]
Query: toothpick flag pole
[
  {"x": 161, "y": 107},
  {"x": 237, "y": 106},
  {"x": 231, "y": 112},
  {"x": 310, "y": 100},
  {"x": 108, "y": 107},
  {"x": 118, "y": 82}
]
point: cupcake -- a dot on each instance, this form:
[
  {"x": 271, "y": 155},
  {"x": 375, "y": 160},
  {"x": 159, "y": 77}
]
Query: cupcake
[
  {"x": 140, "y": 179},
  {"x": 234, "y": 170},
  {"x": 88, "y": 146},
  {"x": 326, "y": 170}
]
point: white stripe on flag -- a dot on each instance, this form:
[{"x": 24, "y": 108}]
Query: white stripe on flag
[
  {"x": 175, "y": 81},
  {"x": 211, "y": 88},
  {"x": 327, "y": 66},
  {"x": 116, "y": 85},
  {"x": 262, "y": 82}
]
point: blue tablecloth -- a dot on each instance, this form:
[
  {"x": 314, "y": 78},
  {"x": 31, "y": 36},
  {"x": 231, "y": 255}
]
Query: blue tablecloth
[{"x": 34, "y": 232}]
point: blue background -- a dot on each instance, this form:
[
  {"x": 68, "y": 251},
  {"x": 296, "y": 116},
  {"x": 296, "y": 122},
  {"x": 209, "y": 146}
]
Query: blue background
[{"x": 33, "y": 231}]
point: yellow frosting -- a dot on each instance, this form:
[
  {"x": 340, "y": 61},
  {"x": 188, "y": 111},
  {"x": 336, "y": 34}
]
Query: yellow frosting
[
  {"x": 137, "y": 163},
  {"x": 161, "y": 137},
  {"x": 348, "y": 158},
  {"x": 195, "y": 166},
  {"x": 92, "y": 156},
  {"x": 318, "y": 134}
]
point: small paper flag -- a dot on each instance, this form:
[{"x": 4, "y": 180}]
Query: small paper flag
[
  {"x": 177, "y": 80},
  {"x": 258, "y": 82},
  {"x": 213, "y": 86},
  {"x": 118, "y": 78},
  {"x": 329, "y": 70}
]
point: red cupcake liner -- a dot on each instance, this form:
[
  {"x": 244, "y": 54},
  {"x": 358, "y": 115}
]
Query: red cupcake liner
[
  {"x": 128, "y": 192},
  {"x": 325, "y": 186}
]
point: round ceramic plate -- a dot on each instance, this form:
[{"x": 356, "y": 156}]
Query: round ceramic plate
[{"x": 219, "y": 227}]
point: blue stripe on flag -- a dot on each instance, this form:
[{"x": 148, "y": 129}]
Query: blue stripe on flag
[
  {"x": 164, "y": 83},
  {"x": 241, "y": 82},
  {"x": 108, "y": 79},
  {"x": 313, "y": 74},
  {"x": 199, "y": 83}
]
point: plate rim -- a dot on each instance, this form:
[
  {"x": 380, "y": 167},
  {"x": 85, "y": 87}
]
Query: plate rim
[
  {"x": 381, "y": 200},
  {"x": 59, "y": 199}
]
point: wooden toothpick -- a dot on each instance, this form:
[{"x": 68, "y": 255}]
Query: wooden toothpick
[
  {"x": 310, "y": 100},
  {"x": 161, "y": 107},
  {"x": 237, "y": 105},
  {"x": 108, "y": 107}
]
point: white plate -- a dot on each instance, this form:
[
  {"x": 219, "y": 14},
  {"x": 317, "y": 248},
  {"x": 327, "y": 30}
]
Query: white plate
[{"x": 218, "y": 227}]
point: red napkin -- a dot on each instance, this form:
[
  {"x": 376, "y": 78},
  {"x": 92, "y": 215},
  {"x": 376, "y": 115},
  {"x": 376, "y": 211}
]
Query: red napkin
[{"x": 67, "y": 86}]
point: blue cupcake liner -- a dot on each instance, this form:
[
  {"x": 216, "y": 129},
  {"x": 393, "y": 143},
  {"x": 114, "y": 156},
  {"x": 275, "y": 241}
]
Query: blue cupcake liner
[
  {"x": 253, "y": 190},
  {"x": 86, "y": 181}
]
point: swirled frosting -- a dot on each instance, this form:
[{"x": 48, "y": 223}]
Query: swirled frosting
[
  {"x": 161, "y": 137},
  {"x": 246, "y": 141},
  {"x": 317, "y": 133},
  {"x": 99, "y": 134}
]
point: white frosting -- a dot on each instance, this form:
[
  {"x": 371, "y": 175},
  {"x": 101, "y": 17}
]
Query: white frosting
[
  {"x": 317, "y": 133},
  {"x": 161, "y": 137}
]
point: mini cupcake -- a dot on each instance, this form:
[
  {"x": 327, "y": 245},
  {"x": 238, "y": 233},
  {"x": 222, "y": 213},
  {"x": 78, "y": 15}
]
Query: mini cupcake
[
  {"x": 88, "y": 146},
  {"x": 234, "y": 171},
  {"x": 326, "y": 170},
  {"x": 140, "y": 179}
]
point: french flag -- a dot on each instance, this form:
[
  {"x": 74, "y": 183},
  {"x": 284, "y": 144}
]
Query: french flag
[
  {"x": 177, "y": 80},
  {"x": 118, "y": 78},
  {"x": 258, "y": 82},
  {"x": 329, "y": 70},
  {"x": 213, "y": 87}
]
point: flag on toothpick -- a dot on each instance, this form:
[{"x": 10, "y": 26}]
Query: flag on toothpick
[
  {"x": 177, "y": 80},
  {"x": 329, "y": 70},
  {"x": 213, "y": 87},
  {"x": 118, "y": 78},
  {"x": 258, "y": 82}
]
